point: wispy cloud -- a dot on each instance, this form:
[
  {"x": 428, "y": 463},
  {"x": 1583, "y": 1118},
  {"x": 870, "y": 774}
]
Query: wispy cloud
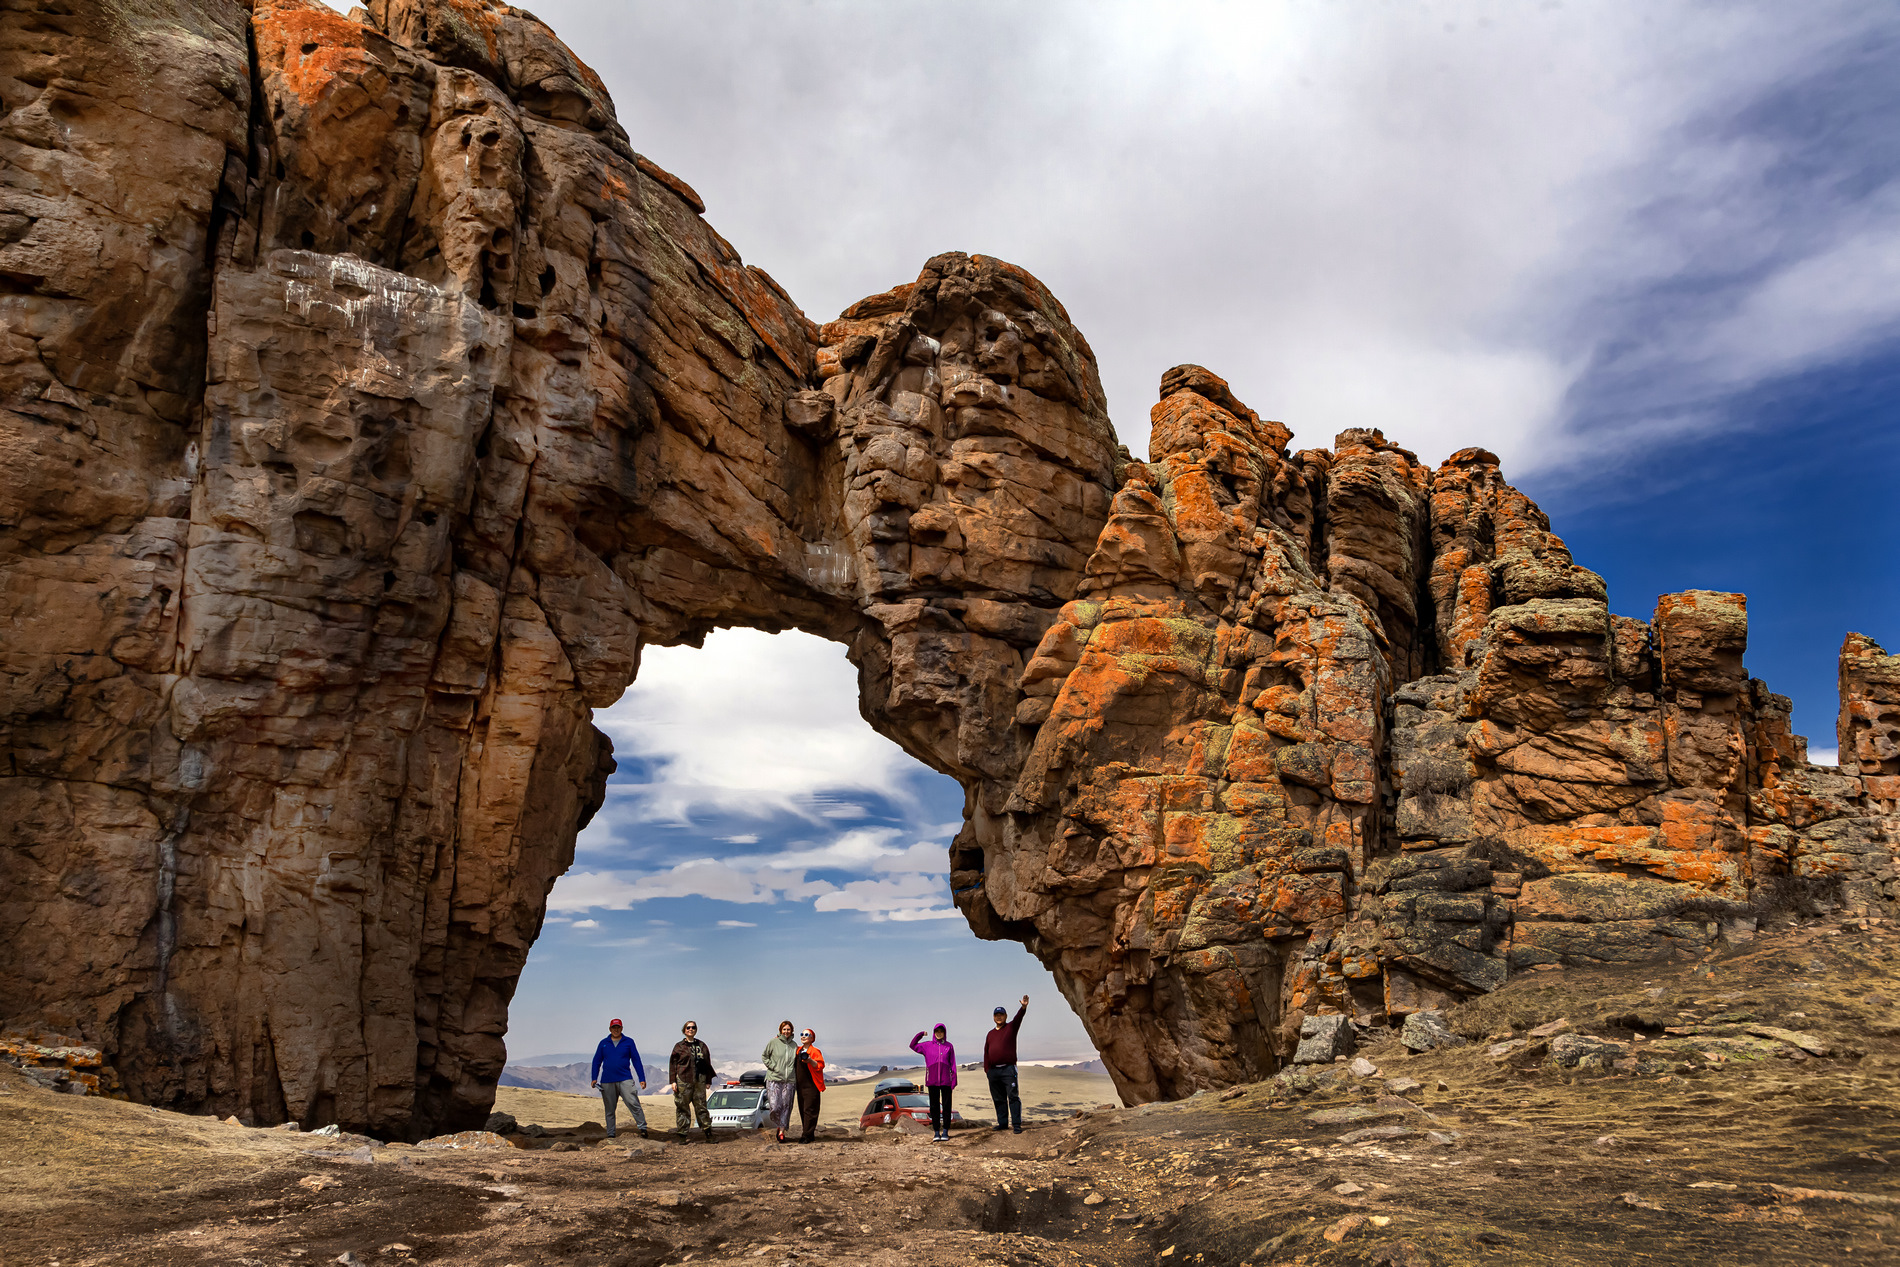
[
  {"x": 907, "y": 897},
  {"x": 902, "y": 880},
  {"x": 736, "y": 923},
  {"x": 1561, "y": 231}
]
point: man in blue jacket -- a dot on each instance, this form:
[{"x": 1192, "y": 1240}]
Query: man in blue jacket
[{"x": 616, "y": 1064}]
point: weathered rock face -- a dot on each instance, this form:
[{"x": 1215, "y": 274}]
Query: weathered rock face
[{"x": 369, "y": 402}]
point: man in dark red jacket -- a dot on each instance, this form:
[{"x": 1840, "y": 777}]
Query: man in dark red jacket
[{"x": 999, "y": 1062}]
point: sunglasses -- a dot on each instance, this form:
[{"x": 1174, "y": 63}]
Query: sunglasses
[{"x": 692, "y": 1028}]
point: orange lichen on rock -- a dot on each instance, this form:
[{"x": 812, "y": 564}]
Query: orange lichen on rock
[
  {"x": 61, "y": 1064},
  {"x": 309, "y": 43}
]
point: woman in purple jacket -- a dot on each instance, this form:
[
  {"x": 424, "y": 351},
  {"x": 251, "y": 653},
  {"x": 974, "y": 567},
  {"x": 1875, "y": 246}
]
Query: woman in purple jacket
[{"x": 940, "y": 1074}]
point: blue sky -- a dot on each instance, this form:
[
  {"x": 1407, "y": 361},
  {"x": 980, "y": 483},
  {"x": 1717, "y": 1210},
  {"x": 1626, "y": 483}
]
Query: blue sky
[{"x": 1648, "y": 252}]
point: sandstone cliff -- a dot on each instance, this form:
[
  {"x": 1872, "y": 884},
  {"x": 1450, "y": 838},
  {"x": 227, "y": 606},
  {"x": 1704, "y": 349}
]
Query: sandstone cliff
[{"x": 368, "y": 402}]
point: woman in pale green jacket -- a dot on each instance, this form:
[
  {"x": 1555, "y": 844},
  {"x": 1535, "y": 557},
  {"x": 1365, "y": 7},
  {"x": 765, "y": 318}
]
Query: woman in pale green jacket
[{"x": 780, "y": 1057}]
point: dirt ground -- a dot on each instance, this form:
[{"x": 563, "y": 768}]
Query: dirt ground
[{"x": 1711, "y": 1144}]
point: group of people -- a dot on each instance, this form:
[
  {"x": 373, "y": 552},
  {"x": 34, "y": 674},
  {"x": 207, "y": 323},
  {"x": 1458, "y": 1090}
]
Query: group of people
[
  {"x": 617, "y": 1068},
  {"x": 999, "y": 1066},
  {"x": 795, "y": 1074}
]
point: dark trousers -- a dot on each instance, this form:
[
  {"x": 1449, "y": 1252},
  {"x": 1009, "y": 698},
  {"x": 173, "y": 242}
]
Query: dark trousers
[
  {"x": 940, "y": 1109},
  {"x": 1009, "y": 1101},
  {"x": 807, "y": 1110}
]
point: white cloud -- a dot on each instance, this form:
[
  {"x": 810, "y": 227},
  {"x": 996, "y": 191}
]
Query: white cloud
[
  {"x": 748, "y": 838},
  {"x": 843, "y": 811},
  {"x": 1456, "y": 220},
  {"x": 910, "y": 878},
  {"x": 909, "y": 896},
  {"x": 925, "y": 855},
  {"x": 1824, "y": 756},
  {"x": 701, "y": 877},
  {"x": 736, "y": 923},
  {"x": 750, "y": 724},
  {"x": 586, "y": 923}
]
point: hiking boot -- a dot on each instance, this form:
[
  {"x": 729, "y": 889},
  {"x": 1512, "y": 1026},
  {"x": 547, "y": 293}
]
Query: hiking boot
[
  {"x": 610, "y": 1134},
  {"x": 709, "y": 1134},
  {"x": 643, "y": 1132},
  {"x": 1019, "y": 1130}
]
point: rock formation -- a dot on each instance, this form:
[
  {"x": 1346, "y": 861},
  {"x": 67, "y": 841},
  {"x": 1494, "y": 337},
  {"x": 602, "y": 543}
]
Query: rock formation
[{"x": 369, "y": 403}]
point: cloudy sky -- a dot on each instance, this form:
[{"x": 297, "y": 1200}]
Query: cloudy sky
[{"x": 1648, "y": 252}]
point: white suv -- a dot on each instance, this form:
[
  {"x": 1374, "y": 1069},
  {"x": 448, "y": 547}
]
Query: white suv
[{"x": 739, "y": 1106}]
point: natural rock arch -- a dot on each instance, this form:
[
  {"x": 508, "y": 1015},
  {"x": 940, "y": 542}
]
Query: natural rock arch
[{"x": 370, "y": 403}]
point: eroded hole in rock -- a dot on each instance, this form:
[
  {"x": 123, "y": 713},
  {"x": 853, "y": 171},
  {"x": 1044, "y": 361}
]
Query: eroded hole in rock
[
  {"x": 755, "y": 819},
  {"x": 321, "y": 534}
]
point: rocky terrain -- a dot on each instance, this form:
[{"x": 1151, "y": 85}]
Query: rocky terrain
[
  {"x": 1740, "y": 1107},
  {"x": 368, "y": 403}
]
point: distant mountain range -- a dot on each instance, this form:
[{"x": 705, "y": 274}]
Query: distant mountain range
[
  {"x": 570, "y": 1077},
  {"x": 558, "y": 1058}
]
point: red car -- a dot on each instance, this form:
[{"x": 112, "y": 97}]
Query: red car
[{"x": 886, "y": 1109}]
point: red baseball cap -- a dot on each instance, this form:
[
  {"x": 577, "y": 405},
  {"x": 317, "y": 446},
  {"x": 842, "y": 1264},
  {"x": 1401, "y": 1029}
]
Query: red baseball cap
[{"x": 615, "y": 1021}]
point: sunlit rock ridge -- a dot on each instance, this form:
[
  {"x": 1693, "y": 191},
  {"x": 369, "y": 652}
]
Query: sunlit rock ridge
[{"x": 370, "y": 402}]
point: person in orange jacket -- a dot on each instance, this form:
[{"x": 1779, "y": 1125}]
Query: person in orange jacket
[{"x": 808, "y": 1073}]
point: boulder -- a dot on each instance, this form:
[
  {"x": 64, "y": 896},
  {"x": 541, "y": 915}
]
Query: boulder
[
  {"x": 1323, "y": 1039},
  {"x": 1584, "y": 1052},
  {"x": 1425, "y": 1031},
  {"x": 469, "y": 1140}
]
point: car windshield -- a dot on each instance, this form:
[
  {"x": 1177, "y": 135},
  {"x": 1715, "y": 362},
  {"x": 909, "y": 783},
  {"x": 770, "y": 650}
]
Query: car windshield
[
  {"x": 733, "y": 1100},
  {"x": 912, "y": 1101}
]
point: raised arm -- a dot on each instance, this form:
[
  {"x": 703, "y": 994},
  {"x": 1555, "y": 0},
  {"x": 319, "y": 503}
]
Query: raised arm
[{"x": 917, "y": 1043}]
